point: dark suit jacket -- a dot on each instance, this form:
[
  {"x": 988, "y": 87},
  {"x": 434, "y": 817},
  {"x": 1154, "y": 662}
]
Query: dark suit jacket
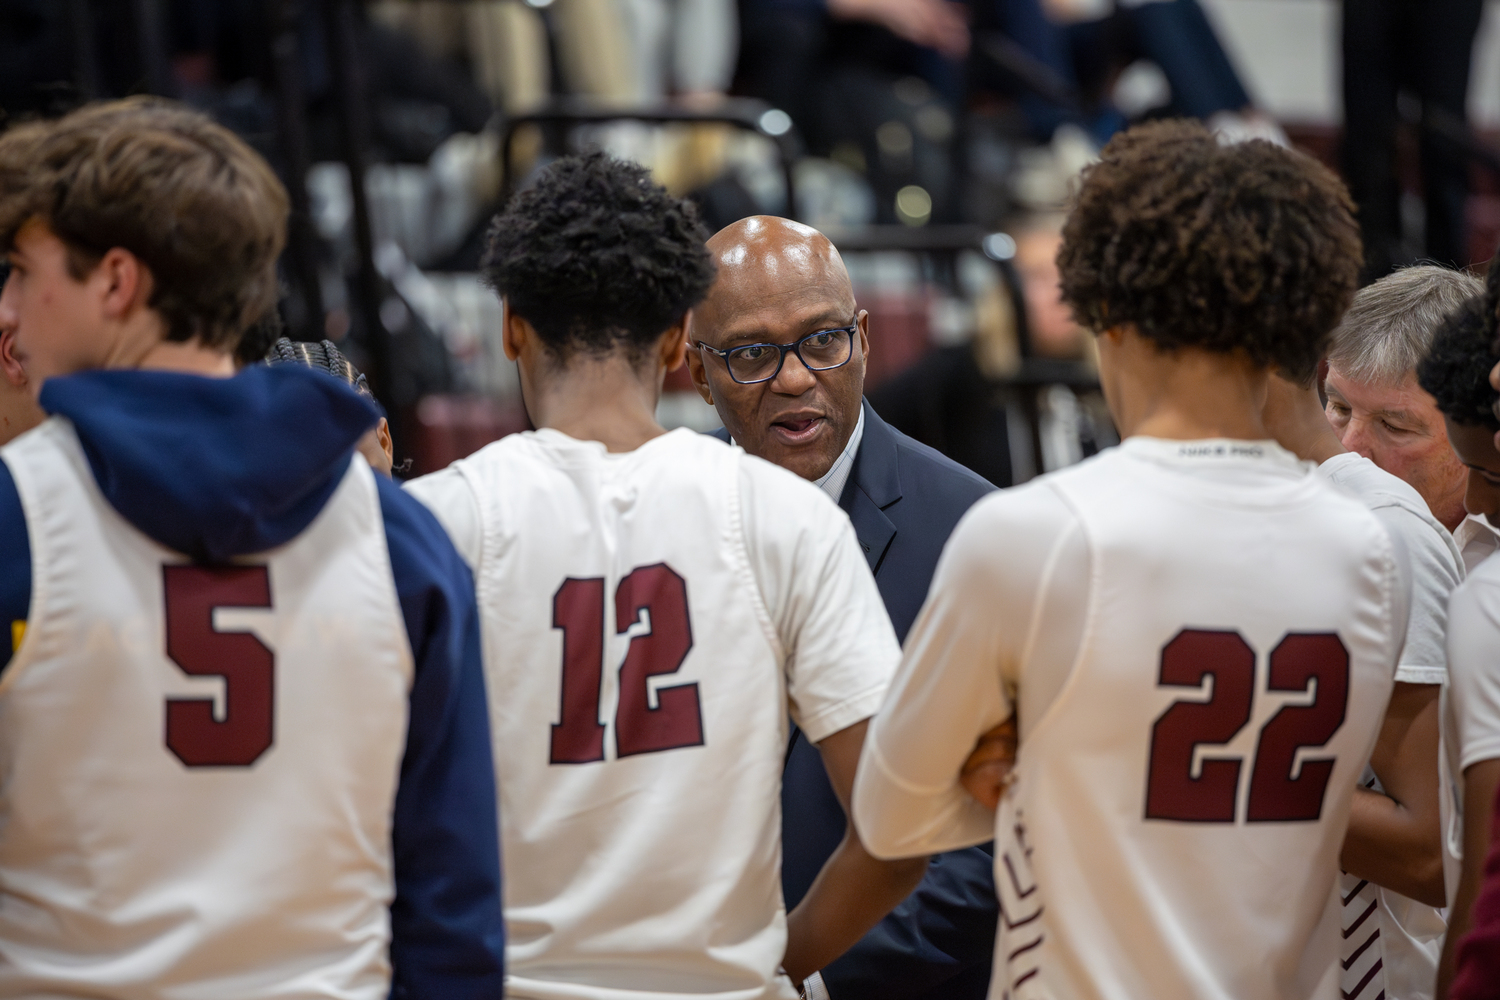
[{"x": 904, "y": 500}]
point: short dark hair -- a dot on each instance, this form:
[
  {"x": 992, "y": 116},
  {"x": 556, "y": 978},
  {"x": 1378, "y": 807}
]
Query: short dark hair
[
  {"x": 597, "y": 256},
  {"x": 201, "y": 209},
  {"x": 1456, "y": 368},
  {"x": 1224, "y": 247}
]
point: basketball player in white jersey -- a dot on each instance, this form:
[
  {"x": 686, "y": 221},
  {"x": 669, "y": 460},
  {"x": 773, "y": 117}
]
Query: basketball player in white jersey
[
  {"x": 653, "y": 605},
  {"x": 1197, "y": 632},
  {"x": 1455, "y": 373},
  {"x": 243, "y": 745},
  {"x": 1392, "y": 892}
]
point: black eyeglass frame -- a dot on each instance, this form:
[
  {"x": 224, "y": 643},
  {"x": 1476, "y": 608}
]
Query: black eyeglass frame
[{"x": 794, "y": 347}]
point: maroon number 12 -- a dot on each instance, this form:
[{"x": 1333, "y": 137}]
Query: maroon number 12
[{"x": 578, "y": 611}]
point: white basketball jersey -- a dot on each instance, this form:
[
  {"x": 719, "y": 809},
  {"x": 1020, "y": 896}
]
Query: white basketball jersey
[
  {"x": 197, "y": 764},
  {"x": 1178, "y": 811},
  {"x": 649, "y": 619}
]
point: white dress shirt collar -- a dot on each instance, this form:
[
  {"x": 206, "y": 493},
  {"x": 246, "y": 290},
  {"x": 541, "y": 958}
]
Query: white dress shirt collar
[{"x": 837, "y": 476}]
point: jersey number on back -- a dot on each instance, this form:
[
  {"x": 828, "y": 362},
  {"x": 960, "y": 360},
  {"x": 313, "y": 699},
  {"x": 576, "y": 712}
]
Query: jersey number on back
[
  {"x": 660, "y": 596},
  {"x": 247, "y": 666},
  {"x": 1276, "y": 794}
]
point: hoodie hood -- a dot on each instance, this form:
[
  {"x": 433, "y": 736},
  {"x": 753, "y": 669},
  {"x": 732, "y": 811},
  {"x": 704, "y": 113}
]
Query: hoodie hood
[{"x": 215, "y": 467}]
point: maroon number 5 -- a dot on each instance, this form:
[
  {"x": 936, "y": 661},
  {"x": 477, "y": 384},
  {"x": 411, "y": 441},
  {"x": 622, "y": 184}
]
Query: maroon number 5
[
  {"x": 247, "y": 666},
  {"x": 1174, "y": 793},
  {"x": 676, "y": 720}
]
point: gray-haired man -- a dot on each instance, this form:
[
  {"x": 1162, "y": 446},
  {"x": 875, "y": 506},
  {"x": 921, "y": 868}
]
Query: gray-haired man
[
  {"x": 1378, "y": 410},
  {"x": 1376, "y": 406}
]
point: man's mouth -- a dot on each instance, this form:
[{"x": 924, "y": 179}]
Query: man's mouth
[{"x": 797, "y": 430}]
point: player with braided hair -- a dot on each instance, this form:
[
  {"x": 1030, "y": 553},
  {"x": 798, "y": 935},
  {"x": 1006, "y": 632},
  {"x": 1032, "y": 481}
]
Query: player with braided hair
[
  {"x": 324, "y": 356},
  {"x": 1456, "y": 373}
]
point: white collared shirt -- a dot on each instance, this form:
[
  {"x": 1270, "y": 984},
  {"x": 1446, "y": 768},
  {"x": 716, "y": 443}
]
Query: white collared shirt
[
  {"x": 1476, "y": 539},
  {"x": 832, "y": 482}
]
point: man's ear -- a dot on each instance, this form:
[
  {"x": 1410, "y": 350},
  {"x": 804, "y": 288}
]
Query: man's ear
[
  {"x": 10, "y": 366},
  {"x": 696, "y": 371},
  {"x": 126, "y": 282},
  {"x": 862, "y": 320}
]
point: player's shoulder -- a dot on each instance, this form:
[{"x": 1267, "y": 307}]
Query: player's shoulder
[
  {"x": 413, "y": 532},
  {"x": 1032, "y": 510},
  {"x": 1481, "y": 585},
  {"x": 779, "y": 494}
]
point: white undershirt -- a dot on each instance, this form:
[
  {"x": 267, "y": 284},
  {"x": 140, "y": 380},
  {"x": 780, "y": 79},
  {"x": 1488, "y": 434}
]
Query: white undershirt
[{"x": 832, "y": 482}]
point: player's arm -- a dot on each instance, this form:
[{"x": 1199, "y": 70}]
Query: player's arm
[
  {"x": 1481, "y": 781},
  {"x": 1474, "y": 692},
  {"x": 447, "y": 930},
  {"x": 854, "y": 890},
  {"x": 1476, "y": 965},
  {"x": 1395, "y": 838},
  {"x": 948, "y": 692},
  {"x": 941, "y": 935}
]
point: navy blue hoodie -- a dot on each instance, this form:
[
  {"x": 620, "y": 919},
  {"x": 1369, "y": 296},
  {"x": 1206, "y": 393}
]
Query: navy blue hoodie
[{"x": 215, "y": 468}]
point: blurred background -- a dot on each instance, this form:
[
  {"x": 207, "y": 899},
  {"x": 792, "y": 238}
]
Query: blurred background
[{"x": 935, "y": 141}]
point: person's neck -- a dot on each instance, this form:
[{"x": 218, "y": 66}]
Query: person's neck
[
  {"x": 1190, "y": 394},
  {"x": 609, "y": 400},
  {"x": 189, "y": 357},
  {"x": 140, "y": 342},
  {"x": 1295, "y": 418}
]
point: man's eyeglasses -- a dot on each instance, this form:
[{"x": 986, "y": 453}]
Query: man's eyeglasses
[{"x": 819, "y": 351}]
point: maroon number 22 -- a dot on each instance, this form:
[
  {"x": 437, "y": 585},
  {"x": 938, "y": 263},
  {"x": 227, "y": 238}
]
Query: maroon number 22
[
  {"x": 191, "y": 594},
  {"x": 1173, "y": 793},
  {"x": 578, "y": 611}
]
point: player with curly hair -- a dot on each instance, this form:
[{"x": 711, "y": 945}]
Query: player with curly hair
[
  {"x": 1195, "y": 632},
  {"x": 655, "y": 605},
  {"x": 1456, "y": 373}
]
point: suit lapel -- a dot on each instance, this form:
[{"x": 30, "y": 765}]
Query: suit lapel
[{"x": 874, "y": 484}]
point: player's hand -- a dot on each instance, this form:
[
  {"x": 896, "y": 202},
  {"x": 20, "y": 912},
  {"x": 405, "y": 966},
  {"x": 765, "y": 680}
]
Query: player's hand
[
  {"x": 987, "y": 772},
  {"x": 936, "y": 24}
]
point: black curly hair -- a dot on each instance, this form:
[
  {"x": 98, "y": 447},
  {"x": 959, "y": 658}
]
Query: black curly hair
[
  {"x": 1456, "y": 369},
  {"x": 1225, "y": 247},
  {"x": 598, "y": 256}
]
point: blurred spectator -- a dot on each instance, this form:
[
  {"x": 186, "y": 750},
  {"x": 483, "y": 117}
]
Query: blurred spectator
[
  {"x": 980, "y": 405},
  {"x": 873, "y": 84},
  {"x": 1177, "y": 37},
  {"x": 1049, "y": 322},
  {"x": 507, "y": 43},
  {"x": 1422, "y": 48},
  {"x": 682, "y": 47}
]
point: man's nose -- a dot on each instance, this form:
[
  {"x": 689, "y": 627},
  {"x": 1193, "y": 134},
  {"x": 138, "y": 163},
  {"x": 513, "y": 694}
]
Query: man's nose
[
  {"x": 794, "y": 378},
  {"x": 1358, "y": 439}
]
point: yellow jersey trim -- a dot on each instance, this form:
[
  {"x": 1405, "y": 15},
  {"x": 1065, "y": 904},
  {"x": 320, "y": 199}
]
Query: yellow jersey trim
[{"x": 17, "y": 633}]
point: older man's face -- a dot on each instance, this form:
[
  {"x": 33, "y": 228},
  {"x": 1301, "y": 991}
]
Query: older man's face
[
  {"x": 779, "y": 282},
  {"x": 1400, "y": 429}
]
